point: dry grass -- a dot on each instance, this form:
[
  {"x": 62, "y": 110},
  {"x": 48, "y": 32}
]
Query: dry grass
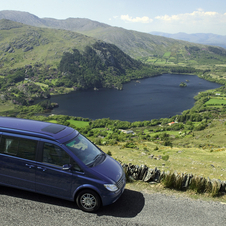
[{"x": 182, "y": 160}]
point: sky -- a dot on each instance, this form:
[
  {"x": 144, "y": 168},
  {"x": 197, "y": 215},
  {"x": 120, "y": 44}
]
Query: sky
[{"x": 169, "y": 16}]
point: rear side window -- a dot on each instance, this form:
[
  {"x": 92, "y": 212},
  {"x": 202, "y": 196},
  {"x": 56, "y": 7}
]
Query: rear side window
[
  {"x": 19, "y": 147},
  {"x": 55, "y": 155}
]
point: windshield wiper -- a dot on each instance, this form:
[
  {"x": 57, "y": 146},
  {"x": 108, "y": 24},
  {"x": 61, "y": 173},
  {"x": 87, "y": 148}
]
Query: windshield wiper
[{"x": 96, "y": 158}]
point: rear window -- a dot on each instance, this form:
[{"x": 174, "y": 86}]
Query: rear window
[{"x": 19, "y": 147}]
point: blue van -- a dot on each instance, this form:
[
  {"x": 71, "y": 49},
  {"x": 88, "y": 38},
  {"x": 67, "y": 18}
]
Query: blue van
[{"x": 58, "y": 161}]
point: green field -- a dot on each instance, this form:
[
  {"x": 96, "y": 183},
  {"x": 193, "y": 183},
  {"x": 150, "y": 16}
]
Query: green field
[
  {"x": 6, "y": 106},
  {"x": 78, "y": 124},
  {"x": 216, "y": 101},
  {"x": 167, "y": 54}
]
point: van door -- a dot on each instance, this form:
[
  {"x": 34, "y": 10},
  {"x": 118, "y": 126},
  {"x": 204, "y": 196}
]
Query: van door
[
  {"x": 51, "y": 179},
  {"x": 17, "y": 161}
]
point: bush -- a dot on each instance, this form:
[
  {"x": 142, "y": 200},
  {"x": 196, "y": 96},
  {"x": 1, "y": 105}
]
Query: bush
[
  {"x": 97, "y": 141},
  {"x": 169, "y": 180},
  {"x": 168, "y": 143},
  {"x": 215, "y": 190},
  {"x": 198, "y": 184},
  {"x": 112, "y": 142},
  {"x": 129, "y": 145},
  {"x": 165, "y": 157}
]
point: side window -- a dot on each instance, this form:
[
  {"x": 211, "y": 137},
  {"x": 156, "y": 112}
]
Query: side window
[
  {"x": 23, "y": 148},
  {"x": 75, "y": 166},
  {"x": 9, "y": 145},
  {"x": 26, "y": 149},
  {"x": 55, "y": 155}
]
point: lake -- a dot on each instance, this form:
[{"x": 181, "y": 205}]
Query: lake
[{"x": 152, "y": 98}]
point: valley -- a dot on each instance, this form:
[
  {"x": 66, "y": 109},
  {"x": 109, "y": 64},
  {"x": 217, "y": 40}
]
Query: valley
[{"x": 39, "y": 60}]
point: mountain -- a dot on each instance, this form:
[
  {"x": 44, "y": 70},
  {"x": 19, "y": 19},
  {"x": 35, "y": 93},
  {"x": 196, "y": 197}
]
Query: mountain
[
  {"x": 136, "y": 44},
  {"x": 21, "y": 17},
  {"x": 146, "y": 47},
  {"x": 202, "y": 38},
  {"x": 38, "y": 61}
]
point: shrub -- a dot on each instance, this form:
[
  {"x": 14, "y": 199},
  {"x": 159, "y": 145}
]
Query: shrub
[
  {"x": 215, "y": 190},
  {"x": 109, "y": 153},
  {"x": 130, "y": 145},
  {"x": 168, "y": 143},
  {"x": 178, "y": 182},
  {"x": 198, "y": 184},
  {"x": 169, "y": 180},
  {"x": 97, "y": 141},
  {"x": 112, "y": 142},
  {"x": 165, "y": 157}
]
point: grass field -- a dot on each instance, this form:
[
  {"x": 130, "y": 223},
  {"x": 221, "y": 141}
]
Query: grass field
[
  {"x": 216, "y": 101},
  {"x": 167, "y": 54},
  {"x": 182, "y": 160},
  {"x": 202, "y": 153},
  {"x": 78, "y": 124},
  {"x": 6, "y": 106}
]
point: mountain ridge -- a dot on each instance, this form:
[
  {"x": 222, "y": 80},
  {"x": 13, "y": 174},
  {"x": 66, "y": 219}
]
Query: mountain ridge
[
  {"x": 202, "y": 38},
  {"x": 136, "y": 44}
]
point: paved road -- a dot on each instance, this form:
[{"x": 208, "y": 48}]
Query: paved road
[{"x": 133, "y": 208}]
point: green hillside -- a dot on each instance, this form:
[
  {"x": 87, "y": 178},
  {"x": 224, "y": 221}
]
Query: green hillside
[
  {"x": 39, "y": 62},
  {"x": 22, "y": 45},
  {"x": 149, "y": 48}
]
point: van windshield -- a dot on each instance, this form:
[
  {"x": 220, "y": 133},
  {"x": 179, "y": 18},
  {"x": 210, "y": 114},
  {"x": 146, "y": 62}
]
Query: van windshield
[{"x": 87, "y": 152}]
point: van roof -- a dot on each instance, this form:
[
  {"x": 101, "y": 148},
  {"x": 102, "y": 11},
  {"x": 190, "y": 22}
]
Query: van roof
[{"x": 36, "y": 128}]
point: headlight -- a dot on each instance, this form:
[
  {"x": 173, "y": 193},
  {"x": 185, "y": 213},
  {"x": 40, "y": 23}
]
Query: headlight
[{"x": 111, "y": 187}]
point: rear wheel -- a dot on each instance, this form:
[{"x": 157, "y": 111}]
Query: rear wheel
[{"x": 88, "y": 200}]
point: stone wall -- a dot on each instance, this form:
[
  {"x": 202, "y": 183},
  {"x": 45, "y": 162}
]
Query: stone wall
[{"x": 182, "y": 181}]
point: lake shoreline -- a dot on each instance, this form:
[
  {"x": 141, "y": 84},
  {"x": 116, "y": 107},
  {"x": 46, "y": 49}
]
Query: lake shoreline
[{"x": 135, "y": 99}]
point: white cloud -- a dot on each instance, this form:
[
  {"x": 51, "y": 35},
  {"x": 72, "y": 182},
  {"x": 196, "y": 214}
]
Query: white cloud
[
  {"x": 198, "y": 21},
  {"x": 196, "y": 15},
  {"x": 143, "y": 19}
]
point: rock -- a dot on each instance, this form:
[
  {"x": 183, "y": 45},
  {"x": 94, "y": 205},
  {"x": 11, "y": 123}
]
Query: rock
[
  {"x": 26, "y": 49},
  {"x": 2, "y": 97},
  {"x": 184, "y": 180},
  {"x": 11, "y": 50},
  {"x": 143, "y": 171},
  {"x": 188, "y": 181},
  {"x": 152, "y": 182},
  {"x": 157, "y": 175},
  {"x": 149, "y": 175},
  {"x": 6, "y": 48}
]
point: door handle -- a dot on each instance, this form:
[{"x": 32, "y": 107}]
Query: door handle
[
  {"x": 30, "y": 166},
  {"x": 41, "y": 168}
]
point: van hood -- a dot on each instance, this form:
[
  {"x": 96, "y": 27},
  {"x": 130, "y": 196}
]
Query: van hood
[{"x": 109, "y": 168}]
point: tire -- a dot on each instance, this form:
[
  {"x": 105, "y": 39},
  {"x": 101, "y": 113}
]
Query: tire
[{"x": 88, "y": 200}]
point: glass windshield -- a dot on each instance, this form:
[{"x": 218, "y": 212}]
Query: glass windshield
[{"x": 84, "y": 149}]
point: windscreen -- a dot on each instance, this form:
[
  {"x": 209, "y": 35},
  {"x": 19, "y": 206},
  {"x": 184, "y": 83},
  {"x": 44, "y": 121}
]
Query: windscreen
[{"x": 87, "y": 152}]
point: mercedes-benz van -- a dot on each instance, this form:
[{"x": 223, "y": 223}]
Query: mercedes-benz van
[{"x": 58, "y": 161}]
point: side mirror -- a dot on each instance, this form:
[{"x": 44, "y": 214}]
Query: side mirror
[{"x": 66, "y": 167}]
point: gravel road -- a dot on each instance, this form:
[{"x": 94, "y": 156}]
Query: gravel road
[{"x": 22, "y": 208}]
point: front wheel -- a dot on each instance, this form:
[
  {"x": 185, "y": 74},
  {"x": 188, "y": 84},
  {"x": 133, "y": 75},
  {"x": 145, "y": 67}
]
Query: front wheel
[{"x": 88, "y": 200}]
